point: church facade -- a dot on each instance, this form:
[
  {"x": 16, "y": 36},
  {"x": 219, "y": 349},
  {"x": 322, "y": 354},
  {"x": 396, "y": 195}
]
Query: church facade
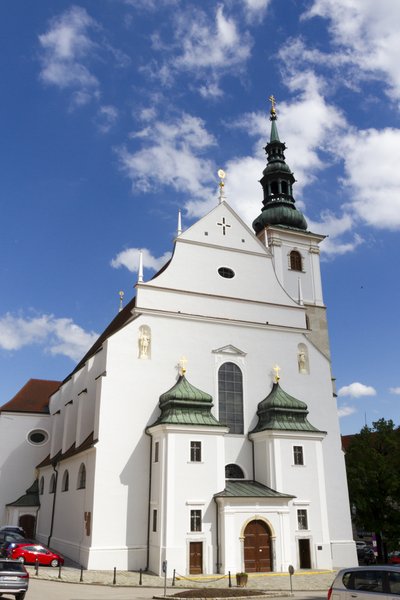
[{"x": 201, "y": 428}]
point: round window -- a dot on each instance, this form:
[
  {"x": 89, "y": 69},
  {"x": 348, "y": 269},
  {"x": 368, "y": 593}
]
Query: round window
[
  {"x": 38, "y": 437},
  {"x": 226, "y": 272}
]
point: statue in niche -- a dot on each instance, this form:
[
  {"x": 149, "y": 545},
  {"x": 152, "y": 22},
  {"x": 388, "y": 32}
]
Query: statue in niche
[
  {"x": 302, "y": 361},
  {"x": 144, "y": 343}
]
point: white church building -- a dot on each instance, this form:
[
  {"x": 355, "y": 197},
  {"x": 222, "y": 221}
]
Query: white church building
[{"x": 201, "y": 428}]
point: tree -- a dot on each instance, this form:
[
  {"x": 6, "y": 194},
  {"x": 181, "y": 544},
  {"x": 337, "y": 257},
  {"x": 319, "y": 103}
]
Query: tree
[{"x": 373, "y": 474}]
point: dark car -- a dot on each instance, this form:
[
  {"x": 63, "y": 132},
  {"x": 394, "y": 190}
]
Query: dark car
[
  {"x": 366, "y": 556},
  {"x": 13, "y": 529},
  {"x": 10, "y": 537},
  {"x": 32, "y": 552},
  {"x": 14, "y": 578}
]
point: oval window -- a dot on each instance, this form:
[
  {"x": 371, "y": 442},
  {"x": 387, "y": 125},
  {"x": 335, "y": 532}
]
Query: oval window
[
  {"x": 38, "y": 436},
  {"x": 226, "y": 272}
]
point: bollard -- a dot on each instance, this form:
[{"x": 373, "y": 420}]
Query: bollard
[
  {"x": 81, "y": 577},
  {"x": 37, "y": 566},
  {"x": 173, "y": 578},
  {"x": 115, "y": 576},
  {"x": 291, "y": 573},
  {"x": 59, "y": 571},
  {"x": 230, "y": 580},
  {"x": 140, "y": 576}
]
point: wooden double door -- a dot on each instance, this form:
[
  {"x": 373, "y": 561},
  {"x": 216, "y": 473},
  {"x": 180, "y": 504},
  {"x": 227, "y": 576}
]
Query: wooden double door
[{"x": 257, "y": 547}]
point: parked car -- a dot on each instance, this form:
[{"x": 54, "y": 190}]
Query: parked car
[
  {"x": 13, "y": 528},
  {"x": 366, "y": 583},
  {"x": 366, "y": 556},
  {"x": 10, "y": 540},
  {"x": 14, "y": 578},
  {"x": 394, "y": 558},
  {"x": 361, "y": 544},
  {"x": 29, "y": 553}
]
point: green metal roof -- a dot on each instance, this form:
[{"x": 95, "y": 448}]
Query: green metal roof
[
  {"x": 274, "y": 137},
  {"x": 30, "y": 498},
  {"x": 249, "y": 489},
  {"x": 277, "y": 182},
  {"x": 184, "y": 404},
  {"x": 281, "y": 411}
]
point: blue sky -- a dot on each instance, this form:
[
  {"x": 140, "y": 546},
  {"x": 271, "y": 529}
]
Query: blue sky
[{"x": 115, "y": 114}]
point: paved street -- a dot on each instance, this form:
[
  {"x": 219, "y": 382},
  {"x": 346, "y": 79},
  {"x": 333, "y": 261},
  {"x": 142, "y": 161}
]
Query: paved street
[
  {"x": 98, "y": 585},
  {"x": 56, "y": 590}
]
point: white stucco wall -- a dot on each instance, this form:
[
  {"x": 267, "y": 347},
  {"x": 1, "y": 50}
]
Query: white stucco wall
[{"x": 18, "y": 456}]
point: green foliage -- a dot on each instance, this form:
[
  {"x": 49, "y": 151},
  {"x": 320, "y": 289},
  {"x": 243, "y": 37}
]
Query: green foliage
[{"x": 373, "y": 461}]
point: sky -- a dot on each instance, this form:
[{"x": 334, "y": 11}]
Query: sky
[{"x": 116, "y": 114}]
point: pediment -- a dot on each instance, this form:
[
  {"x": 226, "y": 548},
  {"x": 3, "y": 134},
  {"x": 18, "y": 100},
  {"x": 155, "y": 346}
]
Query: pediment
[{"x": 229, "y": 349}]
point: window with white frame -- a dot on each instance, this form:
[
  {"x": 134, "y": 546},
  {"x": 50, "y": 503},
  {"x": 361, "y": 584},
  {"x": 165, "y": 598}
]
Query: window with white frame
[
  {"x": 302, "y": 519},
  {"x": 81, "y": 484},
  {"x": 52, "y": 487},
  {"x": 195, "y": 520},
  {"x": 154, "y": 520},
  {"x": 195, "y": 451},
  {"x": 65, "y": 481},
  {"x": 156, "y": 451},
  {"x": 230, "y": 397},
  {"x": 298, "y": 455}
]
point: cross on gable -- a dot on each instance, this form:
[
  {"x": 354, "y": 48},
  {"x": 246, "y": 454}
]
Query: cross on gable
[{"x": 224, "y": 225}]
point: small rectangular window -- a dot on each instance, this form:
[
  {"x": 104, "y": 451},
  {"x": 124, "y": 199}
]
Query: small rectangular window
[
  {"x": 154, "y": 520},
  {"x": 195, "y": 451},
  {"x": 156, "y": 451},
  {"x": 302, "y": 520},
  {"x": 298, "y": 457},
  {"x": 195, "y": 520}
]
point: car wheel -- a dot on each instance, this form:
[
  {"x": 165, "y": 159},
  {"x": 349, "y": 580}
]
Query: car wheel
[
  {"x": 21, "y": 559},
  {"x": 20, "y": 596},
  {"x": 54, "y": 562}
]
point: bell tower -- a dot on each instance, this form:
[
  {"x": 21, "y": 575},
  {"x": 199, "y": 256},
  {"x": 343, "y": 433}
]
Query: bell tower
[{"x": 295, "y": 249}]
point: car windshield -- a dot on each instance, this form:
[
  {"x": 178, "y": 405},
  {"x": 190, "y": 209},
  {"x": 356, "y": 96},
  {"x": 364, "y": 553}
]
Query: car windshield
[{"x": 11, "y": 566}]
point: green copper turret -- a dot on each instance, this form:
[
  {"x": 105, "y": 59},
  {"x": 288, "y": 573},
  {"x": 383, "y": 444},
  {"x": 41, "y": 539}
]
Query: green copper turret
[{"x": 277, "y": 183}]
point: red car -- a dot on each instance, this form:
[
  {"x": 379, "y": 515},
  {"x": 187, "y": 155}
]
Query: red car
[
  {"x": 394, "y": 558},
  {"x": 30, "y": 553}
]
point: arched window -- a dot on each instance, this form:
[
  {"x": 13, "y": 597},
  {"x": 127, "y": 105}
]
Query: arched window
[
  {"x": 52, "y": 486},
  {"x": 230, "y": 396},
  {"x": 233, "y": 471},
  {"x": 274, "y": 187},
  {"x": 65, "y": 481},
  {"x": 295, "y": 261},
  {"x": 81, "y": 478},
  {"x": 41, "y": 486}
]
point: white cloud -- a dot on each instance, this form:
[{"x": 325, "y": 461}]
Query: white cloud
[
  {"x": 335, "y": 228},
  {"x": 366, "y": 35},
  {"x": 65, "y": 48},
  {"x": 205, "y": 46},
  {"x": 129, "y": 259},
  {"x": 357, "y": 390},
  {"x": 56, "y": 335},
  {"x": 216, "y": 45},
  {"x": 346, "y": 411},
  {"x": 171, "y": 155},
  {"x": 106, "y": 117},
  {"x": 395, "y": 390},
  {"x": 371, "y": 160}
]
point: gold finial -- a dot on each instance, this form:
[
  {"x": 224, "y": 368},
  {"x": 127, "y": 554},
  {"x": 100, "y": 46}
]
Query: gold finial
[
  {"x": 276, "y": 370},
  {"x": 273, "y": 103},
  {"x": 182, "y": 365},
  {"x": 221, "y": 175},
  {"x": 121, "y": 299}
]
